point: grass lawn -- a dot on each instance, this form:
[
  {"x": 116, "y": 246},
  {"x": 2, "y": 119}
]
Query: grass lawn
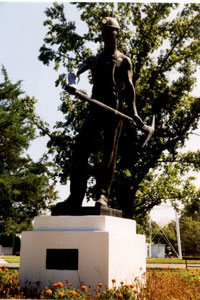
[
  {"x": 16, "y": 259},
  {"x": 11, "y": 258},
  {"x": 190, "y": 272},
  {"x": 152, "y": 260}
]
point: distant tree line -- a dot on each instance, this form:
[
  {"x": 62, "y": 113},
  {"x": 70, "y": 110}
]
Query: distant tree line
[{"x": 189, "y": 232}]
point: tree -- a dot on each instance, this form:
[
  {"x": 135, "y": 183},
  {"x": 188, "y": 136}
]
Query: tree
[
  {"x": 192, "y": 207},
  {"x": 190, "y": 239},
  {"x": 163, "y": 43},
  {"x": 25, "y": 186}
]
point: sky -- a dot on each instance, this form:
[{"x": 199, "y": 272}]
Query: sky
[{"x": 21, "y": 36}]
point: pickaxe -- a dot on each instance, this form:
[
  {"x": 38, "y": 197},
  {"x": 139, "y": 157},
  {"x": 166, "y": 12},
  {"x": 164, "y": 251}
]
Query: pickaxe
[{"x": 83, "y": 96}]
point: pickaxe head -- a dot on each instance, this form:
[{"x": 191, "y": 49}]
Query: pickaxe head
[{"x": 151, "y": 130}]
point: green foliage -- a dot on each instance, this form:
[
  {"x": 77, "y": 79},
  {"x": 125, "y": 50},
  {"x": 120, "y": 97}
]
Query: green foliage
[
  {"x": 9, "y": 284},
  {"x": 170, "y": 182},
  {"x": 7, "y": 240},
  {"x": 162, "y": 40},
  {"x": 192, "y": 206},
  {"x": 123, "y": 291},
  {"x": 25, "y": 187}
]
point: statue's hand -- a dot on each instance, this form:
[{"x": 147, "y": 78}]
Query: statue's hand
[
  {"x": 146, "y": 129},
  {"x": 140, "y": 124},
  {"x": 70, "y": 89},
  {"x": 138, "y": 121}
]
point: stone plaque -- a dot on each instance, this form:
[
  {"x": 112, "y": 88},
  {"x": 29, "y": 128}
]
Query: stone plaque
[{"x": 62, "y": 259}]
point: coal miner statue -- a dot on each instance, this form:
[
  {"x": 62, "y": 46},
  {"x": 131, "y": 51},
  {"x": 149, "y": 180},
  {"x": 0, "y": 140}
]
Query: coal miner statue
[{"x": 111, "y": 71}]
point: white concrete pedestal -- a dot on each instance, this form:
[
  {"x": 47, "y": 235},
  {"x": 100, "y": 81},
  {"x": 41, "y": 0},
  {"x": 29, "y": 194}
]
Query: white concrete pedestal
[{"x": 107, "y": 247}]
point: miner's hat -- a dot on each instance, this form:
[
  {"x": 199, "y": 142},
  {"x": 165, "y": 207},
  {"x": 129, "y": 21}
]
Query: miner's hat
[{"x": 108, "y": 22}]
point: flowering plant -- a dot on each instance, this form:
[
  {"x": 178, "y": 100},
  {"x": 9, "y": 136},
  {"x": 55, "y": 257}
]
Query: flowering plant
[{"x": 58, "y": 291}]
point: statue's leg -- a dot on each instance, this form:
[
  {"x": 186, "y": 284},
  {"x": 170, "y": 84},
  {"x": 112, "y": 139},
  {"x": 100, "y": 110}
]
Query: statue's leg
[
  {"x": 105, "y": 177},
  {"x": 79, "y": 169}
]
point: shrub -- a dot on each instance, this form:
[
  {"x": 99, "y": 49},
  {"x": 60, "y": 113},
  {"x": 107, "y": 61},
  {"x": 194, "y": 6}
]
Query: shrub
[
  {"x": 123, "y": 291},
  {"x": 10, "y": 240},
  {"x": 9, "y": 284}
]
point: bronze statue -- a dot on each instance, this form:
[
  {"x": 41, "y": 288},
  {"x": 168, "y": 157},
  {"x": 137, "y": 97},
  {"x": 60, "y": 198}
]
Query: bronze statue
[{"x": 111, "y": 70}]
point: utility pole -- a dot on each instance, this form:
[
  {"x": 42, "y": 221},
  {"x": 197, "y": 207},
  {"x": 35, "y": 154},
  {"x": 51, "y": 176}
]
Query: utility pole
[
  {"x": 150, "y": 242},
  {"x": 178, "y": 236}
]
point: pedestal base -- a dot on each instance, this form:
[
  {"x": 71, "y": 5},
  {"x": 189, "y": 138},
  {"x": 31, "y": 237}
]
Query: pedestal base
[
  {"x": 83, "y": 250},
  {"x": 86, "y": 210}
]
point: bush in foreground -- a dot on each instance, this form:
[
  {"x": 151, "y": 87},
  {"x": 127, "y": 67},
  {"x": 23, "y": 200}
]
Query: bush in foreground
[{"x": 160, "y": 285}]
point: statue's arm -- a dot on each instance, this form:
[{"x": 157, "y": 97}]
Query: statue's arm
[
  {"x": 130, "y": 92},
  {"x": 75, "y": 72}
]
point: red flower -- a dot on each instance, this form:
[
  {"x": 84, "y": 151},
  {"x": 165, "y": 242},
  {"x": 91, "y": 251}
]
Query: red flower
[
  {"x": 73, "y": 293},
  {"x": 58, "y": 285},
  {"x": 49, "y": 292},
  {"x": 84, "y": 288},
  {"x": 100, "y": 285},
  {"x": 113, "y": 280}
]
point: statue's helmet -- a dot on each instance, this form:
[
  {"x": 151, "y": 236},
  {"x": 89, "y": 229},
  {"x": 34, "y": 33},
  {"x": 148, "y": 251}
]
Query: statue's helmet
[{"x": 108, "y": 22}]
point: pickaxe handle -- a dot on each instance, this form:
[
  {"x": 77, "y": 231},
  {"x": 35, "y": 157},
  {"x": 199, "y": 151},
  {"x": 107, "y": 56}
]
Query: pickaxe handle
[{"x": 83, "y": 96}]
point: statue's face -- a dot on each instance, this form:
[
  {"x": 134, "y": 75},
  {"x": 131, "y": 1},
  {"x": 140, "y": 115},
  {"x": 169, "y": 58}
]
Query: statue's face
[{"x": 109, "y": 34}]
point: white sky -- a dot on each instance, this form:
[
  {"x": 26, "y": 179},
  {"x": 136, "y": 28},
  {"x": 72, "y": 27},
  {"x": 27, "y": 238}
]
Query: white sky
[{"x": 21, "y": 36}]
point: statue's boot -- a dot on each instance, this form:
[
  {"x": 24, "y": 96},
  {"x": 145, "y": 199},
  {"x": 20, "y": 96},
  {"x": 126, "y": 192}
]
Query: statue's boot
[
  {"x": 102, "y": 201},
  {"x": 67, "y": 206}
]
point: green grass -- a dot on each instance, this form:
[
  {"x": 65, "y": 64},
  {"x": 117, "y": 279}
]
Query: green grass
[
  {"x": 152, "y": 260},
  {"x": 182, "y": 272},
  {"x": 11, "y": 258},
  {"x": 16, "y": 259}
]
